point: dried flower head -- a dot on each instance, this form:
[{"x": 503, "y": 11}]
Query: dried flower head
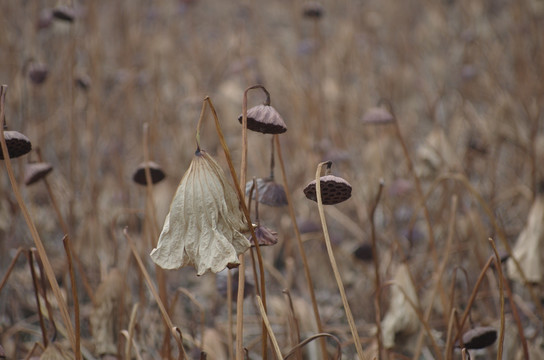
[
  {"x": 480, "y": 337},
  {"x": 65, "y": 13},
  {"x": 37, "y": 72},
  {"x": 270, "y": 192},
  {"x": 17, "y": 144},
  {"x": 157, "y": 175},
  {"x": 312, "y": 10},
  {"x": 264, "y": 119},
  {"x": 334, "y": 190},
  {"x": 377, "y": 116},
  {"x": 265, "y": 236},
  {"x": 36, "y": 171},
  {"x": 364, "y": 252},
  {"x": 204, "y": 225}
]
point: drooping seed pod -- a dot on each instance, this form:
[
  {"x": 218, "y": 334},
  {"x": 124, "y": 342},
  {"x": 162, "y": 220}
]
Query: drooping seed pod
[
  {"x": 37, "y": 73},
  {"x": 205, "y": 223},
  {"x": 312, "y": 10},
  {"x": 270, "y": 192},
  {"x": 334, "y": 190},
  {"x": 264, "y": 119},
  {"x": 157, "y": 174},
  {"x": 17, "y": 144},
  {"x": 65, "y": 13},
  {"x": 34, "y": 172},
  {"x": 265, "y": 236},
  {"x": 480, "y": 337},
  {"x": 364, "y": 252},
  {"x": 377, "y": 116}
]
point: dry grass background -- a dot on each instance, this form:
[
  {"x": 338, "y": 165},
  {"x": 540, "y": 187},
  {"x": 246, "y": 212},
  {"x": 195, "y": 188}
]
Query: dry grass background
[{"x": 465, "y": 79}]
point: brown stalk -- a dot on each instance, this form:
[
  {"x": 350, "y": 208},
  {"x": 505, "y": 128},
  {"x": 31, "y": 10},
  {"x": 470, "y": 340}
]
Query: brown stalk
[
  {"x": 68, "y": 249},
  {"x": 241, "y": 278},
  {"x": 37, "y": 295},
  {"x": 501, "y": 292},
  {"x": 470, "y": 302},
  {"x": 517, "y": 319},
  {"x": 229, "y": 313},
  {"x": 174, "y": 330},
  {"x": 438, "y": 276},
  {"x": 377, "y": 282},
  {"x": 44, "y": 294},
  {"x": 301, "y": 248},
  {"x": 161, "y": 276},
  {"x": 34, "y": 233},
  {"x": 10, "y": 267},
  {"x": 298, "y": 347},
  {"x": 86, "y": 284},
  {"x": 332, "y": 260},
  {"x": 130, "y": 332},
  {"x": 447, "y": 354},
  {"x": 295, "y": 337},
  {"x": 241, "y": 275},
  {"x": 273, "y": 340}
]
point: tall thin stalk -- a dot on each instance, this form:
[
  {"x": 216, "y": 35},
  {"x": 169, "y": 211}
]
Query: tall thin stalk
[
  {"x": 34, "y": 233},
  {"x": 351, "y": 321},
  {"x": 377, "y": 283}
]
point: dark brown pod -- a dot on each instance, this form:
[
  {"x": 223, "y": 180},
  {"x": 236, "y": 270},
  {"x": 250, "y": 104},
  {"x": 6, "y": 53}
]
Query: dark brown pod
[
  {"x": 480, "y": 337},
  {"x": 264, "y": 119},
  {"x": 377, "y": 116},
  {"x": 265, "y": 236},
  {"x": 36, "y": 171},
  {"x": 270, "y": 192},
  {"x": 37, "y": 73},
  {"x": 334, "y": 190},
  {"x": 17, "y": 144},
  {"x": 65, "y": 13},
  {"x": 312, "y": 10},
  {"x": 364, "y": 252},
  {"x": 157, "y": 174}
]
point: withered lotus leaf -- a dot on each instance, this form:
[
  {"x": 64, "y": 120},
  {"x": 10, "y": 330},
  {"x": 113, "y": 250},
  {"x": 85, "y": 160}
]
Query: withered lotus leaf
[{"x": 205, "y": 223}]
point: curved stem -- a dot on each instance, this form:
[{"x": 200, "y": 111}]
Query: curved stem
[
  {"x": 501, "y": 292},
  {"x": 332, "y": 260}
]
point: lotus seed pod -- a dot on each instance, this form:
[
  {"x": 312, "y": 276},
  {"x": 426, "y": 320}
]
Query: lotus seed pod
[
  {"x": 264, "y": 119},
  {"x": 17, "y": 144},
  {"x": 270, "y": 192},
  {"x": 157, "y": 175},
  {"x": 334, "y": 190},
  {"x": 480, "y": 337},
  {"x": 34, "y": 172}
]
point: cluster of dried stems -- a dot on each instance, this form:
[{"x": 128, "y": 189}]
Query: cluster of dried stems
[{"x": 431, "y": 110}]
